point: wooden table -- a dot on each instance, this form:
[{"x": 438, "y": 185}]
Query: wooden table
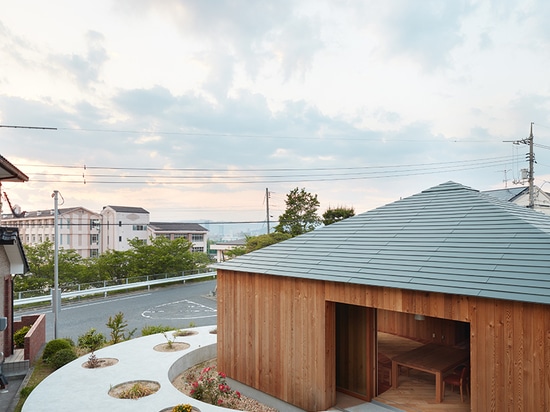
[{"x": 431, "y": 358}]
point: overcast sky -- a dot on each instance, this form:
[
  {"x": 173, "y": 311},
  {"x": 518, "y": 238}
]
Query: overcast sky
[{"x": 191, "y": 109}]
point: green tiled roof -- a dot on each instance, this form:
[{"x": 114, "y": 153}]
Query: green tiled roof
[{"x": 450, "y": 239}]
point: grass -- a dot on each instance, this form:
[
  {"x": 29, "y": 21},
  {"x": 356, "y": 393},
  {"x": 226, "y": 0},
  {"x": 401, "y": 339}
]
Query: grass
[{"x": 40, "y": 371}]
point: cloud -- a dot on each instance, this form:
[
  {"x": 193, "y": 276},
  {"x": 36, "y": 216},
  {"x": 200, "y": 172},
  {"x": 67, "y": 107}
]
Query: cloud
[
  {"x": 425, "y": 31},
  {"x": 86, "y": 69}
]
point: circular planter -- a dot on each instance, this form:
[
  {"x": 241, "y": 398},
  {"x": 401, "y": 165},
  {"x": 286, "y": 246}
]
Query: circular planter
[
  {"x": 194, "y": 409},
  {"x": 175, "y": 347},
  {"x": 102, "y": 363},
  {"x": 128, "y": 390}
]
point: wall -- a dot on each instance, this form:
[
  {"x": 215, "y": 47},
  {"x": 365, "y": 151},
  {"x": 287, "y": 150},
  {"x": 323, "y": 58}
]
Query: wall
[
  {"x": 35, "y": 337},
  {"x": 272, "y": 337},
  {"x": 277, "y": 335}
]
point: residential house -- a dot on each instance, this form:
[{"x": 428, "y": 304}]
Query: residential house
[
  {"x": 121, "y": 224},
  {"x": 12, "y": 260},
  {"x": 520, "y": 196},
  {"x": 78, "y": 228},
  {"x": 301, "y": 319},
  {"x": 193, "y": 232}
]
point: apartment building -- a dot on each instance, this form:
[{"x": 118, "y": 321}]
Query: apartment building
[
  {"x": 193, "y": 232},
  {"x": 91, "y": 234},
  {"x": 78, "y": 228}
]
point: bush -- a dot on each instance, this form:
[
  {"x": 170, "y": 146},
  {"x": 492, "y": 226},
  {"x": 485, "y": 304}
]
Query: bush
[
  {"x": 92, "y": 340},
  {"x": 54, "y": 346},
  {"x": 19, "y": 336},
  {"x": 62, "y": 357},
  {"x": 151, "y": 330}
]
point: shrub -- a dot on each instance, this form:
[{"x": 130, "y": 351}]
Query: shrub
[
  {"x": 118, "y": 326},
  {"x": 19, "y": 336},
  {"x": 151, "y": 330},
  {"x": 54, "y": 346},
  {"x": 62, "y": 357},
  {"x": 182, "y": 407},
  {"x": 211, "y": 387},
  {"x": 92, "y": 340}
]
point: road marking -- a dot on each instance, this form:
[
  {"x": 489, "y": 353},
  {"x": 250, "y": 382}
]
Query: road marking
[
  {"x": 83, "y": 305},
  {"x": 180, "y": 309}
]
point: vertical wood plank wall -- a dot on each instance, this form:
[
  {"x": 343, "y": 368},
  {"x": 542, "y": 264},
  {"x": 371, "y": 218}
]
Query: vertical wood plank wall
[{"x": 277, "y": 334}]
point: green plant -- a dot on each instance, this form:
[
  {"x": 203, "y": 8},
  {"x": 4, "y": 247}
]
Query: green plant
[
  {"x": 138, "y": 390},
  {"x": 170, "y": 342},
  {"x": 26, "y": 391},
  {"x": 180, "y": 332},
  {"x": 62, "y": 357},
  {"x": 54, "y": 346},
  {"x": 118, "y": 326},
  {"x": 182, "y": 407},
  {"x": 92, "y": 340},
  {"x": 19, "y": 336},
  {"x": 211, "y": 387},
  {"x": 192, "y": 324},
  {"x": 151, "y": 330}
]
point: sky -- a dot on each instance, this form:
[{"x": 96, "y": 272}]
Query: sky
[{"x": 194, "y": 109}]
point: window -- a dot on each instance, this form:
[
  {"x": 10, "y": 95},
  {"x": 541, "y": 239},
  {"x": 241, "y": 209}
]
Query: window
[
  {"x": 94, "y": 253},
  {"x": 197, "y": 237},
  {"x": 94, "y": 224},
  {"x": 94, "y": 238},
  {"x": 68, "y": 239},
  {"x": 39, "y": 238},
  {"x": 120, "y": 238},
  {"x": 197, "y": 249},
  {"x": 68, "y": 223},
  {"x": 33, "y": 238},
  {"x": 139, "y": 227}
]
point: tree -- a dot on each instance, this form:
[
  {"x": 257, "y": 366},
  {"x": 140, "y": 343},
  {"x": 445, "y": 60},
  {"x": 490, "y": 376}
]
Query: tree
[
  {"x": 71, "y": 268},
  {"x": 257, "y": 242},
  {"x": 337, "y": 214},
  {"x": 300, "y": 215},
  {"x": 161, "y": 255}
]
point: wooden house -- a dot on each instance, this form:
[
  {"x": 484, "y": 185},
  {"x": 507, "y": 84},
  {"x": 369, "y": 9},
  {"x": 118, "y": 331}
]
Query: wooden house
[{"x": 299, "y": 319}]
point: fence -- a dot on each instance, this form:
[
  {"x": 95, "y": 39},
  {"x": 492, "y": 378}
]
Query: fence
[{"x": 103, "y": 288}]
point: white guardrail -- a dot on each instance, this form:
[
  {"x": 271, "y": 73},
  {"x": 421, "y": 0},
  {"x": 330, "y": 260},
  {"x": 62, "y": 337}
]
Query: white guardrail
[{"x": 106, "y": 289}]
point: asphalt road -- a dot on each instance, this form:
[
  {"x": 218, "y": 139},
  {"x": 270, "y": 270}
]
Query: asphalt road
[{"x": 175, "y": 306}]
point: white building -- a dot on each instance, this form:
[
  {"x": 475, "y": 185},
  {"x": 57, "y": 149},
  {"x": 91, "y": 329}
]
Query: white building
[
  {"x": 119, "y": 224},
  {"x": 193, "y": 232}
]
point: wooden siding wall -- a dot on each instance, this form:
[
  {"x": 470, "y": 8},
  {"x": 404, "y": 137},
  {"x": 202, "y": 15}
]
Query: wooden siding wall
[
  {"x": 277, "y": 334},
  {"x": 442, "y": 331}
]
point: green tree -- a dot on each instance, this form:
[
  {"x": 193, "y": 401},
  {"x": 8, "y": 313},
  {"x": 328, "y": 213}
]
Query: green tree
[
  {"x": 111, "y": 265},
  {"x": 333, "y": 215},
  {"x": 300, "y": 215},
  {"x": 71, "y": 267},
  {"x": 257, "y": 242},
  {"x": 161, "y": 255}
]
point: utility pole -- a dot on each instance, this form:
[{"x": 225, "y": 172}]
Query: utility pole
[
  {"x": 55, "y": 296},
  {"x": 531, "y": 172},
  {"x": 267, "y": 207}
]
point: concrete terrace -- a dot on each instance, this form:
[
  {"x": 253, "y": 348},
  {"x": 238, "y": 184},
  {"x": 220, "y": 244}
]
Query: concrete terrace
[{"x": 75, "y": 388}]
